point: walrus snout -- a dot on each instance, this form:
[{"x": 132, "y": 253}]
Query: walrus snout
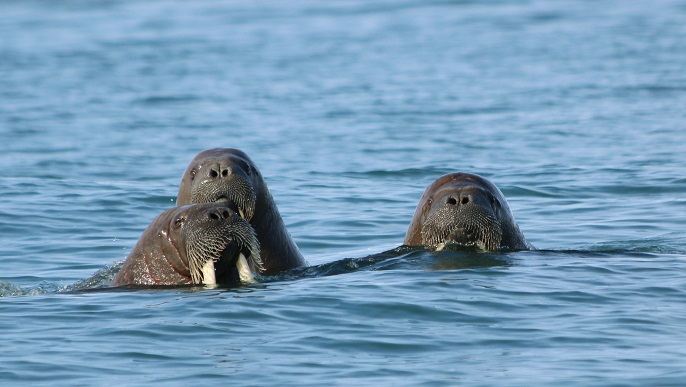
[
  {"x": 217, "y": 213},
  {"x": 460, "y": 199},
  {"x": 223, "y": 168},
  {"x": 465, "y": 215},
  {"x": 223, "y": 249},
  {"x": 226, "y": 181},
  {"x": 466, "y": 235},
  {"x": 466, "y": 196},
  {"x": 218, "y": 172}
]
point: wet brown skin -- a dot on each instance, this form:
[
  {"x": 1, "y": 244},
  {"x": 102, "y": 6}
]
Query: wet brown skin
[
  {"x": 465, "y": 209},
  {"x": 228, "y": 175},
  {"x": 180, "y": 239}
]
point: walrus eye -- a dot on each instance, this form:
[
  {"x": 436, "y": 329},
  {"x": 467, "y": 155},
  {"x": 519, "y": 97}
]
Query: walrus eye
[
  {"x": 179, "y": 221},
  {"x": 193, "y": 173},
  {"x": 494, "y": 201},
  {"x": 245, "y": 166}
]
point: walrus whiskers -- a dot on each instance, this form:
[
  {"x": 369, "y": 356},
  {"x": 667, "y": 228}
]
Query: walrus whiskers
[{"x": 206, "y": 249}]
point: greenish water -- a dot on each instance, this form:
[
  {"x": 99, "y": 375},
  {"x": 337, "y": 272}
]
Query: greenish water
[{"x": 350, "y": 109}]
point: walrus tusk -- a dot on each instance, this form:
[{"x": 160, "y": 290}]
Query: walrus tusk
[
  {"x": 208, "y": 276},
  {"x": 246, "y": 275},
  {"x": 244, "y": 272}
]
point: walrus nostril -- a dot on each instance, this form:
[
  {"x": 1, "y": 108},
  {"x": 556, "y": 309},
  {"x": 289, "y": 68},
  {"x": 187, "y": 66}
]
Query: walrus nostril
[
  {"x": 213, "y": 215},
  {"x": 225, "y": 172},
  {"x": 465, "y": 200},
  {"x": 225, "y": 214},
  {"x": 213, "y": 173},
  {"x": 451, "y": 201}
]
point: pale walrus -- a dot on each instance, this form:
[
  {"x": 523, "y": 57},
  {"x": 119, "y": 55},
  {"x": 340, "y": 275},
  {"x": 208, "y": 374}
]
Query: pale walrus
[
  {"x": 197, "y": 244},
  {"x": 464, "y": 209},
  {"x": 226, "y": 175}
]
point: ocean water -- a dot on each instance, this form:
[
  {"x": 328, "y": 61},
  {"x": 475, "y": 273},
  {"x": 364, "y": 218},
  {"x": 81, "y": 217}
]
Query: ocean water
[{"x": 575, "y": 109}]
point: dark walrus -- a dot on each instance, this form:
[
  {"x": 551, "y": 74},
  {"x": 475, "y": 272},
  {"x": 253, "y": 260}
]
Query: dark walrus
[
  {"x": 197, "y": 244},
  {"x": 228, "y": 176},
  {"x": 464, "y": 209}
]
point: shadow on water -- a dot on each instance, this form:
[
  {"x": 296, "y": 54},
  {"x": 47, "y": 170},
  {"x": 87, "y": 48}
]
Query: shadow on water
[{"x": 403, "y": 258}]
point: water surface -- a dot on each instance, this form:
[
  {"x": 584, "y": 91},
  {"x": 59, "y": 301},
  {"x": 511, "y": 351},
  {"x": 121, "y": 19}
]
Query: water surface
[{"x": 350, "y": 109}]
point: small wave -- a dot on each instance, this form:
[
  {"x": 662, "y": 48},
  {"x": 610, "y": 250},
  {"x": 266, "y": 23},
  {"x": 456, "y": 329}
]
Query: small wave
[
  {"x": 101, "y": 279},
  {"x": 667, "y": 244},
  {"x": 8, "y": 289},
  {"x": 166, "y": 99}
]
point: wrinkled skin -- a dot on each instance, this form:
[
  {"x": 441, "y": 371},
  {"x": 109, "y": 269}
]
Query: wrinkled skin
[
  {"x": 181, "y": 240},
  {"x": 226, "y": 175},
  {"x": 468, "y": 210}
]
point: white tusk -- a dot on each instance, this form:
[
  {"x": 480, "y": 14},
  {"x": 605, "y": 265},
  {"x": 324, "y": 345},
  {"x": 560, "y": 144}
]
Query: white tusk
[
  {"x": 481, "y": 245},
  {"x": 208, "y": 276},
  {"x": 244, "y": 273}
]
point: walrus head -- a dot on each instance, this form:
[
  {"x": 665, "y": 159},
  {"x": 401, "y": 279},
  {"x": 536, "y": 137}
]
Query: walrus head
[
  {"x": 229, "y": 176},
  {"x": 221, "y": 175},
  {"x": 466, "y": 210},
  {"x": 220, "y": 246}
]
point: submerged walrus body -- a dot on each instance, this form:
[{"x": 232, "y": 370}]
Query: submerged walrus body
[
  {"x": 228, "y": 176},
  {"x": 467, "y": 210},
  {"x": 197, "y": 244}
]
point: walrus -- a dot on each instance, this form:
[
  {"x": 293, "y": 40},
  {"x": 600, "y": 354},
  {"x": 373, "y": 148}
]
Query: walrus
[
  {"x": 226, "y": 175},
  {"x": 196, "y": 244},
  {"x": 464, "y": 209}
]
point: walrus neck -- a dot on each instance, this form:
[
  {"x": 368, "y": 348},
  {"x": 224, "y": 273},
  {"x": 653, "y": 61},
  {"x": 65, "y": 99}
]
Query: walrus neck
[{"x": 272, "y": 236}]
